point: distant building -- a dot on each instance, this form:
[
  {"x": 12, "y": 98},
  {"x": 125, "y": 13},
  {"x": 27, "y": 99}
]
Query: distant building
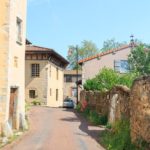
[
  {"x": 12, "y": 65},
  {"x": 44, "y": 75},
  {"x": 115, "y": 59},
  {"x": 70, "y": 87}
]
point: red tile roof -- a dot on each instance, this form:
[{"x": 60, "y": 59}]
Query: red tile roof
[
  {"x": 36, "y": 48},
  {"x": 104, "y": 53},
  {"x": 32, "y": 49}
]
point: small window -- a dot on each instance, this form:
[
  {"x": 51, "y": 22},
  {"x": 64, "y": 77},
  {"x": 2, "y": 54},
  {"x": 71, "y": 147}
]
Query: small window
[
  {"x": 35, "y": 70},
  {"x": 68, "y": 78},
  {"x": 56, "y": 94},
  {"x": 57, "y": 73},
  {"x": 121, "y": 66},
  {"x": 32, "y": 93},
  {"x": 15, "y": 62},
  {"x": 19, "y": 30},
  {"x": 50, "y": 71}
]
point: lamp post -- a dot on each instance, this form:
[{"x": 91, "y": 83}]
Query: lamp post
[{"x": 77, "y": 71}]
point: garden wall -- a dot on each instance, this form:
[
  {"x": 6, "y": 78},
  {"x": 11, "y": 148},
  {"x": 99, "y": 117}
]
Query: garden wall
[
  {"x": 120, "y": 103},
  {"x": 140, "y": 110},
  {"x": 114, "y": 104}
]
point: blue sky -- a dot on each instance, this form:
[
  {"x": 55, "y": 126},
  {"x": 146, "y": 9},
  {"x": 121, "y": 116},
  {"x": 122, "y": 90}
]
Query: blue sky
[{"x": 59, "y": 23}]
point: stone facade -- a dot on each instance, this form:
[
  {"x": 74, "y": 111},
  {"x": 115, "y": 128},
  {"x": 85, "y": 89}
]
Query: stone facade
[
  {"x": 48, "y": 85},
  {"x": 140, "y": 110},
  {"x": 12, "y": 52}
]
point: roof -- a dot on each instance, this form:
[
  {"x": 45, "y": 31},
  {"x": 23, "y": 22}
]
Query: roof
[
  {"x": 35, "y": 48},
  {"x": 104, "y": 53},
  {"x": 72, "y": 72},
  {"x": 32, "y": 49},
  {"x": 28, "y": 42}
]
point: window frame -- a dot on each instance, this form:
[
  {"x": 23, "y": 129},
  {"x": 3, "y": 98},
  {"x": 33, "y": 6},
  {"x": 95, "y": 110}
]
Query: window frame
[
  {"x": 19, "y": 30},
  {"x": 32, "y": 94},
  {"x": 35, "y": 70},
  {"x": 57, "y": 94},
  {"x": 118, "y": 67}
]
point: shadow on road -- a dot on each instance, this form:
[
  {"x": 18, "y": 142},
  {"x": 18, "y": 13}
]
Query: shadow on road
[{"x": 85, "y": 126}]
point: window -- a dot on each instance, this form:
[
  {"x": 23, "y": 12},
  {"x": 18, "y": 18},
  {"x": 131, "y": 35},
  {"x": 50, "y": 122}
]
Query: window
[
  {"x": 74, "y": 91},
  {"x": 19, "y": 30},
  {"x": 121, "y": 66},
  {"x": 35, "y": 70},
  {"x": 50, "y": 71},
  {"x": 57, "y": 73},
  {"x": 68, "y": 78},
  {"x": 15, "y": 61},
  {"x": 32, "y": 93},
  {"x": 56, "y": 94}
]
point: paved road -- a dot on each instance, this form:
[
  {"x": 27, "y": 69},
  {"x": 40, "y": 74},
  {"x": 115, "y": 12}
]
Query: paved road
[{"x": 57, "y": 129}]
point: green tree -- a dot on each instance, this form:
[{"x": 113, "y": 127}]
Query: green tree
[
  {"x": 110, "y": 44},
  {"x": 139, "y": 60},
  {"x": 86, "y": 49}
]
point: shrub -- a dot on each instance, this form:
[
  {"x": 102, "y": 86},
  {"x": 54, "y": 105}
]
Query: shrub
[
  {"x": 36, "y": 102},
  {"x": 119, "y": 137},
  {"x": 106, "y": 79},
  {"x": 94, "y": 118},
  {"x": 78, "y": 107},
  {"x": 86, "y": 112}
]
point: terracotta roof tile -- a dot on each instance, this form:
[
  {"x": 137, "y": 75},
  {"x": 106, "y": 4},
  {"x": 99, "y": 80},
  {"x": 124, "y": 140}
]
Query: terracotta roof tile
[
  {"x": 104, "y": 53},
  {"x": 36, "y": 48}
]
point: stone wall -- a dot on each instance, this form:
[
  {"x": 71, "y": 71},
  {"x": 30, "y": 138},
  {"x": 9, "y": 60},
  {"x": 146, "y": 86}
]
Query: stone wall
[
  {"x": 96, "y": 101},
  {"x": 114, "y": 104},
  {"x": 119, "y": 104},
  {"x": 140, "y": 110},
  {"x": 123, "y": 103}
]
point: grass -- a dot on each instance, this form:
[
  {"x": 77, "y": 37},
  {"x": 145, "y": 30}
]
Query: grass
[
  {"x": 118, "y": 137},
  {"x": 92, "y": 116}
]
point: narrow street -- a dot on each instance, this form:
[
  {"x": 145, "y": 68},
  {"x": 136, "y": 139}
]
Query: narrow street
[{"x": 57, "y": 129}]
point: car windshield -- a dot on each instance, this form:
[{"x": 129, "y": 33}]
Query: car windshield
[{"x": 67, "y": 100}]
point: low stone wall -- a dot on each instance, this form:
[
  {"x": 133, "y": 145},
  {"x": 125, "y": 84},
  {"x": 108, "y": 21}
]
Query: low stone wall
[
  {"x": 121, "y": 103},
  {"x": 114, "y": 104},
  {"x": 140, "y": 110},
  {"x": 96, "y": 101}
]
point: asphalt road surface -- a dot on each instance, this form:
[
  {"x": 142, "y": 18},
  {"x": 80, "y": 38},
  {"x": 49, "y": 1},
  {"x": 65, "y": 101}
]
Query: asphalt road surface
[{"x": 57, "y": 129}]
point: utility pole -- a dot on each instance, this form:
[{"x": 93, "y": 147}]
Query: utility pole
[{"x": 77, "y": 71}]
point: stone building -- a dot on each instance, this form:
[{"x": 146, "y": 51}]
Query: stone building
[
  {"x": 12, "y": 64},
  {"x": 115, "y": 59},
  {"x": 44, "y": 75},
  {"x": 70, "y": 87}
]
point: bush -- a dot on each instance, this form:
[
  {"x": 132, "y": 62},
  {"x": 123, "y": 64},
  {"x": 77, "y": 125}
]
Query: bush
[
  {"x": 106, "y": 79},
  {"x": 119, "y": 137},
  {"x": 36, "y": 102},
  {"x": 86, "y": 112},
  {"x": 78, "y": 107},
  {"x": 94, "y": 118}
]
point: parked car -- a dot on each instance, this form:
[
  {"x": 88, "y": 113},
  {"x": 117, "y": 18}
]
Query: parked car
[{"x": 68, "y": 103}]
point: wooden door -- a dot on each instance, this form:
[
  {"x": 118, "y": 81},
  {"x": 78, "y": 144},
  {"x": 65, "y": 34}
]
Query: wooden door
[{"x": 12, "y": 103}]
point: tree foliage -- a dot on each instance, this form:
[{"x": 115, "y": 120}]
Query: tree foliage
[
  {"x": 139, "y": 60},
  {"x": 86, "y": 49},
  {"x": 107, "y": 78},
  {"x": 110, "y": 44}
]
